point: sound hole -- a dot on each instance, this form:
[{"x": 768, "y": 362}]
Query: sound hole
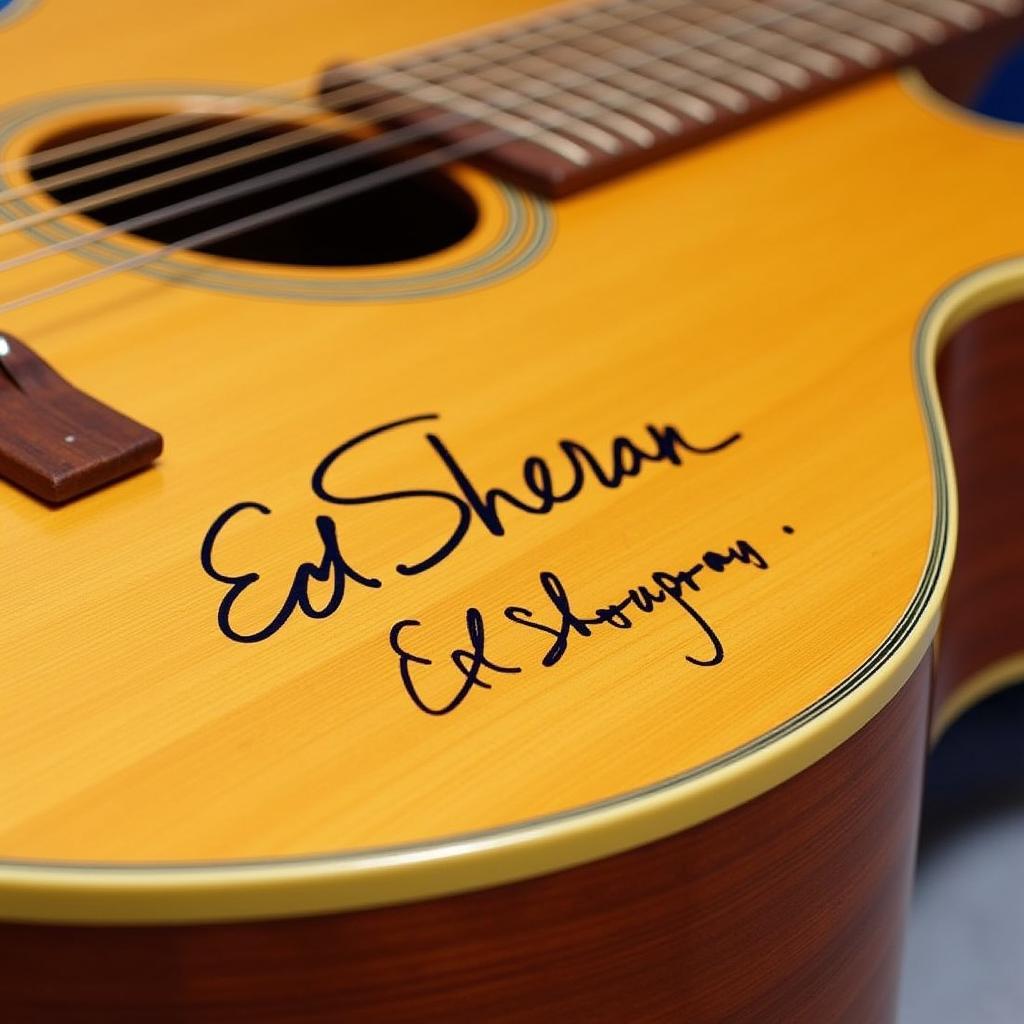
[{"x": 401, "y": 220}]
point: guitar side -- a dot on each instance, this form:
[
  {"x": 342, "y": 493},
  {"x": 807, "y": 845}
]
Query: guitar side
[
  {"x": 790, "y": 907},
  {"x": 785, "y": 902}
]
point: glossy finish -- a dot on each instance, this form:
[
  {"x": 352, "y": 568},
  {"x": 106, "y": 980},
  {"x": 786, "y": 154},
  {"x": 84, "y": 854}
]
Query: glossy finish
[
  {"x": 146, "y": 735},
  {"x": 552, "y": 158},
  {"x": 981, "y": 374},
  {"x": 782, "y": 777},
  {"x": 56, "y": 442},
  {"x": 789, "y": 909}
]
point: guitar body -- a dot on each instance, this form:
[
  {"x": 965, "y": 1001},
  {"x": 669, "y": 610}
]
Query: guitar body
[{"x": 225, "y": 797}]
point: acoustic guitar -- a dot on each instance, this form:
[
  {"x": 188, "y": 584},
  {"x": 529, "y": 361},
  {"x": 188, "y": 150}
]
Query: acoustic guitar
[{"x": 481, "y": 534}]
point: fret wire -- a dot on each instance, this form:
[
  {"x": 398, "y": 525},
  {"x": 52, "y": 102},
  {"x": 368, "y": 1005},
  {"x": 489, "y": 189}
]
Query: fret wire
[
  {"x": 514, "y": 127},
  {"x": 708, "y": 59},
  {"x": 824, "y": 36},
  {"x": 572, "y": 82},
  {"x": 728, "y": 46},
  {"x": 576, "y": 13},
  {"x": 823, "y": 62},
  {"x": 953, "y": 11},
  {"x": 491, "y": 116},
  {"x": 614, "y": 85},
  {"x": 795, "y": 38},
  {"x": 622, "y": 59},
  {"x": 742, "y": 54},
  {"x": 920, "y": 19},
  {"x": 479, "y": 51},
  {"x": 659, "y": 73},
  {"x": 631, "y": 57},
  {"x": 924, "y": 26},
  {"x": 483, "y": 48},
  {"x": 970, "y": 17},
  {"x": 821, "y": 36},
  {"x": 596, "y": 75},
  {"x": 720, "y": 93},
  {"x": 957, "y": 13},
  {"x": 723, "y": 94},
  {"x": 473, "y": 111},
  {"x": 702, "y": 59},
  {"x": 781, "y": 66},
  {"x": 485, "y": 51},
  {"x": 881, "y": 34},
  {"x": 959, "y": 16},
  {"x": 1005, "y": 7},
  {"x": 577, "y": 124},
  {"x": 638, "y": 35},
  {"x": 826, "y": 19},
  {"x": 818, "y": 62},
  {"x": 616, "y": 96},
  {"x": 543, "y": 59},
  {"x": 687, "y": 104},
  {"x": 251, "y": 185},
  {"x": 496, "y": 48},
  {"x": 594, "y": 67},
  {"x": 522, "y": 81}
]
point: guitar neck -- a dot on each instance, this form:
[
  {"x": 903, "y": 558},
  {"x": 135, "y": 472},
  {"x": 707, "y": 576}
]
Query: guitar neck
[{"x": 585, "y": 92}]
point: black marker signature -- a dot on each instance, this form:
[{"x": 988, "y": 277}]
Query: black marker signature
[
  {"x": 469, "y": 663},
  {"x": 664, "y": 588},
  {"x": 540, "y": 495},
  {"x": 332, "y": 567}
]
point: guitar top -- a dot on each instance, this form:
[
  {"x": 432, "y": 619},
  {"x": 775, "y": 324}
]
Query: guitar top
[{"x": 492, "y": 532}]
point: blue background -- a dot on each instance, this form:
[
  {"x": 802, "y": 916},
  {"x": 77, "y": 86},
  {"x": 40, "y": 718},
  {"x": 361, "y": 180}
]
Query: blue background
[{"x": 965, "y": 948}]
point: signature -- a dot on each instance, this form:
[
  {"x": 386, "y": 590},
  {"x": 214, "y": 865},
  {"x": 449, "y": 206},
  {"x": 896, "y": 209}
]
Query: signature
[
  {"x": 545, "y": 485},
  {"x": 566, "y": 623}
]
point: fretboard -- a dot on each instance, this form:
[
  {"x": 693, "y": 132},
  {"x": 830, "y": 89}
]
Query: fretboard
[{"x": 584, "y": 92}]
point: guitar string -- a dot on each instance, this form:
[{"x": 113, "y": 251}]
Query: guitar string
[
  {"x": 373, "y": 116},
  {"x": 353, "y": 91},
  {"x": 167, "y": 122},
  {"x": 385, "y": 175},
  {"x": 303, "y": 169},
  {"x": 375, "y": 179},
  {"x": 350, "y": 92},
  {"x": 238, "y": 127},
  {"x": 281, "y": 143},
  {"x": 391, "y": 107},
  {"x": 415, "y": 132},
  {"x": 152, "y": 126},
  {"x": 476, "y": 38}
]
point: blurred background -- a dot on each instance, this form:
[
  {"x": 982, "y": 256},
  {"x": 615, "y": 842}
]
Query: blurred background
[{"x": 965, "y": 948}]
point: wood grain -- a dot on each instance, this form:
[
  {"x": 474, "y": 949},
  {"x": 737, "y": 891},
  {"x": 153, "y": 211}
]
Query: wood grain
[
  {"x": 769, "y": 285},
  {"x": 56, "y": 442},
  {"x": 547, "y": 171},
  {"x": 788, "y": 910},
  {"x": 981, "y": 373},
  {"x": 696, "y": 293},
  {"x": 145, "y": 735}
]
